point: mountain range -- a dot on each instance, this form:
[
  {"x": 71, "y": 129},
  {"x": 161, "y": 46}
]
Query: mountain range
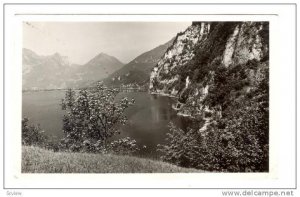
[{"x": 56, "y": 72}]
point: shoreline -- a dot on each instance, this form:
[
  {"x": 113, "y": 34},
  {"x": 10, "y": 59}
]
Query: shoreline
[
  {"x": 163, "y": 94},
  {"x": 179, "y": 113}
]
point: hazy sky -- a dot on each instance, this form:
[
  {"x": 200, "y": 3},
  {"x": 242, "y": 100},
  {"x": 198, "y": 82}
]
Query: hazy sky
[{"x": 81, "y": 41}]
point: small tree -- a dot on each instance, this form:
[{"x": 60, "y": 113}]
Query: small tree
[
  {"x": 92, "y": 117},
  {"x": 32, "y": 135}
]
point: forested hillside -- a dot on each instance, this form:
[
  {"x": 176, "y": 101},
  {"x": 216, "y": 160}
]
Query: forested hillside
[{"x": 219, "y": 72}]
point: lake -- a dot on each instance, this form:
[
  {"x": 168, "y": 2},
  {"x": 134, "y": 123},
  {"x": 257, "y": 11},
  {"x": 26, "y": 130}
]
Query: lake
[{"x": 148, "y": 118}]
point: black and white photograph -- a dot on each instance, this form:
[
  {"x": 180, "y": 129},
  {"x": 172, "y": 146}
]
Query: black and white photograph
[
  {"x": 145, "y": 97},
  {"x": 155, "y": 98}
]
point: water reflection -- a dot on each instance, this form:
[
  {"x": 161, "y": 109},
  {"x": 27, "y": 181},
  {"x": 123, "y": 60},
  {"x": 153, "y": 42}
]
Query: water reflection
[{"x": 149, "y": 119}]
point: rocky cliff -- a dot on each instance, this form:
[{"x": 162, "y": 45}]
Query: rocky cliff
[{"x": 213, "y": 64}]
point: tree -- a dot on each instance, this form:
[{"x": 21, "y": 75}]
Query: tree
[
  {"x": 32, "y": 135},
  {"x": 92, "y": 116}
]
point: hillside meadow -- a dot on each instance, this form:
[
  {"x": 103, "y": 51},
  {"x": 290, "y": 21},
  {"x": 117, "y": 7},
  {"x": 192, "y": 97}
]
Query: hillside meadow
[{"x": 38, "y": 160}]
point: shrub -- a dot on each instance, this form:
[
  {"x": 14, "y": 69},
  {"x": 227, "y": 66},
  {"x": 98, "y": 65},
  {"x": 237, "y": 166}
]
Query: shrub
[
  {"x": 33, "y": 135},
  {"x": 124, "y": 146},
  {"x": 243, "y": 144},
  {"x": 237, "y": 143},
  {"x": 92, "y": 117},
  {"x": 182, "y": 147}
]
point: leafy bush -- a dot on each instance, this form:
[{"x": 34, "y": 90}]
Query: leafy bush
[
  {"x": 92, "y": 117},
  {"x": 183, "y": 148},
  {"x": 240, "y": 145},
  {"x": 124, "y": 146},
  {"x": 33, "y": 135},
  {"x": 165, "y": 75},
  {"x": 243, "y": 144},
  {"x": 226, "y": 81}
]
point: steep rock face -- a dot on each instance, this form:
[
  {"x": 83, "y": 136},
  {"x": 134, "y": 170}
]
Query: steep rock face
[
  {"x": 178, "y": 55},
  {"x": 243, "y": 44},
  {"x": 212, "y": 64}
]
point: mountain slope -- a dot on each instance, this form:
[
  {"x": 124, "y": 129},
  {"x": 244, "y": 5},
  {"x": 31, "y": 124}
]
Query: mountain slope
[
  {"x": 44, "y": 71},
  {"x": 99, "y": 67},
  {"x": 138, "y": 70},
  {"x": 55, "y": 71},
  {"x": 190, "y": 66},
  {"x": 219, "y": 73}
]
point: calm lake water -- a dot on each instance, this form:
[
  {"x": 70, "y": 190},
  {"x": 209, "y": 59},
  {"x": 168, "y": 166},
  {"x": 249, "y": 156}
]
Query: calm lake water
[{"x": 147, "y": 123}]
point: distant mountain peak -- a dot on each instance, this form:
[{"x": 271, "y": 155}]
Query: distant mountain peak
[
  {"x": 103, "y": 58},
  {"x": 28, "y": 52},
  {"x": 37, "y": 68},
  {"x": 104, "y": 54},
  {"x": 56, "y": 54}
]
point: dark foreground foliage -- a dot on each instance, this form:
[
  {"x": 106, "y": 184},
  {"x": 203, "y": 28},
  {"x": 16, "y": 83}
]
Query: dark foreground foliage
[{"x": 34, "y": 135}]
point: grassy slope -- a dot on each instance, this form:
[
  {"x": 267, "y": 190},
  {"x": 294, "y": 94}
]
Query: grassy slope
[{"x": 37, "y": 160}]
